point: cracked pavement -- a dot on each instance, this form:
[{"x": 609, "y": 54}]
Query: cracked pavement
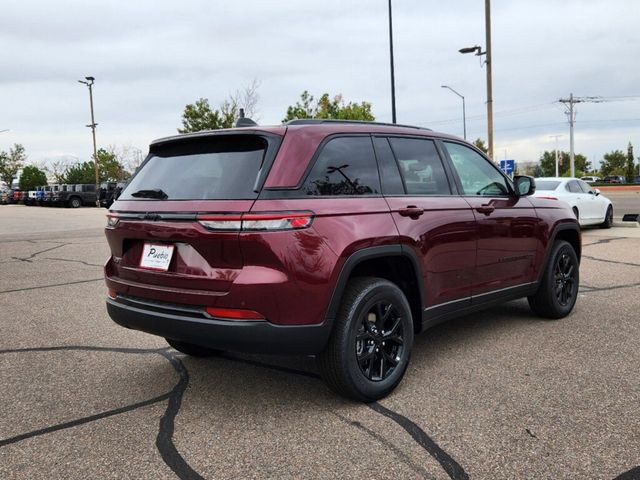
[{"x": 499, "y": 394}]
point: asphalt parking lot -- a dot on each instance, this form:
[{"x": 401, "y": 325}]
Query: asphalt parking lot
[{"x": 497, "y": 395}]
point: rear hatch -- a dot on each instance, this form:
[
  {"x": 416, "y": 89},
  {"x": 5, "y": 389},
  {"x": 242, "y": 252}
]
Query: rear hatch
[{"x": 186, "y": 201}]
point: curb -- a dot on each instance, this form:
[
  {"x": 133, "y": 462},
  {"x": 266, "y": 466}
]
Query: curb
[{"x": 619, "y": 223}]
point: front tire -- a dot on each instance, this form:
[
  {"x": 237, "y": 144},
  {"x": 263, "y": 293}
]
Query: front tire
[
  {"x": 608, "y": 218},
  {"x": 75, "y": 202},
  {"x": 192, "y": 349},
  {"x": 370, "y": 345},
  {"x": 558, "y": 290}
]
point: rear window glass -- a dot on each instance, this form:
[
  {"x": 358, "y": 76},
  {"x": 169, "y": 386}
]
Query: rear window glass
[
  {"x": 213, "y": 169},
  {"x": 546, "y": 185}
]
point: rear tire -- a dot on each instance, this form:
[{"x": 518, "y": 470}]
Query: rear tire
[
  {"x": 608, "y": 218},
  {"x": 558, "y": 289},
  {"x": 370, "y": 345},
  {"x": 192, "y": 349}
]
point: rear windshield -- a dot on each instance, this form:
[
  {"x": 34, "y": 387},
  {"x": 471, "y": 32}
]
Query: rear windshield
[
  {"x": 212, "y": 169},
  {"x": 546, "y": 184}
]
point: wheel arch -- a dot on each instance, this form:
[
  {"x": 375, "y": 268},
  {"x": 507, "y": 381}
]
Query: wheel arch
[
  {"x": 570, "y": 232},
  {"x": 395, "y": 263}
]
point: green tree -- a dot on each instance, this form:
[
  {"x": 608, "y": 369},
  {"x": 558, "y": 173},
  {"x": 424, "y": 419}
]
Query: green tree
[
  {"x": 630, "y": 172},
  {"x": 109, "y": 166},
  {"x": 548, "y": 164},
  {"x": 109, "y": 169},
  {"x": 200, "y": 116},
  {"x": 32, "y": 177},
  {"x": 11, "y": 162},
  {"x": 614, "y": 163},
  {"x": 328, "y": 108},
  {"x": 80, "y": 173},
  {"x": 480, "y": 145}
]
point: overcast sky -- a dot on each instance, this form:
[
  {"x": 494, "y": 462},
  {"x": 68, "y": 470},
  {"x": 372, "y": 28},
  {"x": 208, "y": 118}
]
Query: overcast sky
[{"x": 151, "y": 58}]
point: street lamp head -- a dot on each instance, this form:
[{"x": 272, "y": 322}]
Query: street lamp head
[
  {"x": 91, "y": 79},
  {"x": 470, "y": 49}
]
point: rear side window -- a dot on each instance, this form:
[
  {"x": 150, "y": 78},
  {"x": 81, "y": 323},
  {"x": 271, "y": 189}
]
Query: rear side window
[
  {"x": 548, "y": 185},
  {"x": 345, "y": 166},
  {"x": 421, "y": 166},
  {"x": 224, "y": 167},
  {"x": 573, "y": 186}
]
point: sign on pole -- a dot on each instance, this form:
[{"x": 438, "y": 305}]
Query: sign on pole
[{"x": 508, "y": 167}]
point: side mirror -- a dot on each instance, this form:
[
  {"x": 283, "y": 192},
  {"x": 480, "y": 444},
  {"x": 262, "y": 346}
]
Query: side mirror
[
  {"x": 596, "y": 191},
  {"x": 524, "y": 185}
]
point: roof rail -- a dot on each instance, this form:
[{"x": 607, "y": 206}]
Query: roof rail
[{"x": 317, "y": 121}]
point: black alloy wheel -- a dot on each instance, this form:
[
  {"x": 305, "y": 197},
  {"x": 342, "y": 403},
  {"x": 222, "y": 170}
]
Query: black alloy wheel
[
  {"x": 563, "y": 274},
  {"x": 370, "y": 344},
  {"x": 559, "y": 283},
  {"x": 608, "y": 218},
  {"x": 379, "y": 341}
]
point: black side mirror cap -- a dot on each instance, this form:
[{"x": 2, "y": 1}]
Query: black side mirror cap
[{"x": 524, "y": 185}]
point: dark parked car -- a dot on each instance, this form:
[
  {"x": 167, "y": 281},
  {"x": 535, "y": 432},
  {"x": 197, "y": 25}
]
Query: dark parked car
[
  {"x": 75, "y": 196},
  {"x": 614, "y": 179},
  {"x": 109, "y": 192},
  {"x": 338, "y": 239}
]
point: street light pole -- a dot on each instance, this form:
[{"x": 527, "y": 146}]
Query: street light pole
[
  {"x": 89, "y": 83},
  {"x": 478, "y": 51},
  {"x": 464, "y": 114},
  {"x": 556, "y": 137},
  {"x": 393, "y": 79}
]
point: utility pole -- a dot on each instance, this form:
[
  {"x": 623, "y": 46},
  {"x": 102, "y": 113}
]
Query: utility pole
[
  {"x": 571, "y": 115},
  {"x": 478, "y": 51},
  {"x": 556, "y": 137},
  {"x": 393, "y": 78},
  {"x": 89, "y": 83},
  {"x": 487, "y": 19}
]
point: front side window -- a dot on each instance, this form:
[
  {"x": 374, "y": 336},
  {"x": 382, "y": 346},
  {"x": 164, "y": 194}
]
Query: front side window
[
  {"x": 420, "y": 166},
  {"x": 345, "y": 166},
  {"x": 477, "y": 174}
]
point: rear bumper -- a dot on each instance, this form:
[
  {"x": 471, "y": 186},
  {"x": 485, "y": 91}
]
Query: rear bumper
[{"x": 185, "y": 324}]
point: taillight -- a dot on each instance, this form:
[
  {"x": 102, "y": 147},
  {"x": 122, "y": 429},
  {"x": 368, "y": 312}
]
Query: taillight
[
  {"x": 112, "y": 293},
  {"x": 257, "y": 222},
  {"x": 233, "y": 313},
  {"x": 112, "y": 220},
  {"x": 221, "y": 223}
]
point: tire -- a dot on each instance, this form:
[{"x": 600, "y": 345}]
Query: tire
[
  {"x": 558, "y": 289},
  {"x": 75, "y": 202},
  {"x": 192, "y": 349},
  {"x": 608, "y": 218},
  {"x": 358, "y": 360}
]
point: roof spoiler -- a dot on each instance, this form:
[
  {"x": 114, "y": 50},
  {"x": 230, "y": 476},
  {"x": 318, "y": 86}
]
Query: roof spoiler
[{"x": 244, "y": 121}]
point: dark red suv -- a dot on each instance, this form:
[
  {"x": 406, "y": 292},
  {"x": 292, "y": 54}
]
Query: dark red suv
[{"x": 339, "y": 239}]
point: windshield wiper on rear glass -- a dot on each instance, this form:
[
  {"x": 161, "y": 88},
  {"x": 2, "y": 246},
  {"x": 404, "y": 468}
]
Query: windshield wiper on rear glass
[{"x": 155, "y": 193}]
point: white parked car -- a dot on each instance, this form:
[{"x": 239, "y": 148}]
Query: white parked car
[{"x": 589, "y": 205}]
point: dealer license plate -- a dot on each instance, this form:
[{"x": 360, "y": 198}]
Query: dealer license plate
[{"x": 156, "y": 257}]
